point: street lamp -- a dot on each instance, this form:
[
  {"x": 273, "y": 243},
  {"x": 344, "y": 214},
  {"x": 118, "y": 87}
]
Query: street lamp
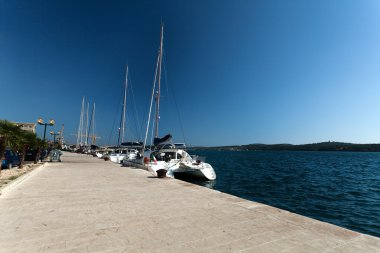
[
  {"x": 41, "y": 122},
  {"x": 54, "y": 134}
]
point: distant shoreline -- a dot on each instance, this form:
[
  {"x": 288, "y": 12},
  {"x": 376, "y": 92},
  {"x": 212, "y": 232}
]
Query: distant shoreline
[{"x": 322, "y": 146}]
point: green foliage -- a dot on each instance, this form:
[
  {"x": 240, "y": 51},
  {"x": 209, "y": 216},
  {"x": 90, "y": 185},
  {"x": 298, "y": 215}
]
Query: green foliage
[
  {"x": 9, "y": 132},
  {"x": 13, "y": 137}
]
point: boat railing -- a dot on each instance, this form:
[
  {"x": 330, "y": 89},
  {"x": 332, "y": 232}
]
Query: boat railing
[{"x": 199, "y": 158}]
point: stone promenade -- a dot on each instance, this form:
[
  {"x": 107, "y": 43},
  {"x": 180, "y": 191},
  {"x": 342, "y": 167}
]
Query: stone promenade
[{"x": 85, "y": 204}]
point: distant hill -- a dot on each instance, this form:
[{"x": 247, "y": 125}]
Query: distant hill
[{"x": 322, "y": 146}]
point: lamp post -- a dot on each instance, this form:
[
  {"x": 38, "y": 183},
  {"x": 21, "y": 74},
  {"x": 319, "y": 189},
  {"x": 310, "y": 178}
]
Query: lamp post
[
  {"x": 54, "y": 134},
  {"x": 41, "y": 122}
]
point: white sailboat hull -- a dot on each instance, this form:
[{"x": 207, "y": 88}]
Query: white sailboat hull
[
  {"x": 184, "y": 166},
  {"x": 152, "y": 167},
  {"x": 200, "y": 170},
  {"x": 118, "y": 158}
]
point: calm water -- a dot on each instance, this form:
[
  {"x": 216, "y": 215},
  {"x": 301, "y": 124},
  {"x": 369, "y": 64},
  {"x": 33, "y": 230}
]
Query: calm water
[{"x": 336, "y": 187}]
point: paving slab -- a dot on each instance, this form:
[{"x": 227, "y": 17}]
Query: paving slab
[{"x": 85, "y": 204}]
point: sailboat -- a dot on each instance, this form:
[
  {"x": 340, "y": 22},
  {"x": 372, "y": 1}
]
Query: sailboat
[
  {"x": 124, "y": 150},
  {"x": 167, "y": 159},
  {"x": 83, "y": 135}
]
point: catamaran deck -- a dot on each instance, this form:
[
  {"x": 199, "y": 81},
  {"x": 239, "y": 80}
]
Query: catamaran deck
[{"x": 86, "y": 204}]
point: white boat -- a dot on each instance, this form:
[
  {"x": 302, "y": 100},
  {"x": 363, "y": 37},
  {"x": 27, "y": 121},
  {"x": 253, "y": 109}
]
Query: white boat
[
  {"x": 178, "y": 161},
  {"x": 167, "y": 160},
  {"x": 120, "y": 154},
  {"x": 123, "y": 150},
  {"x": 99, "y": 153}
]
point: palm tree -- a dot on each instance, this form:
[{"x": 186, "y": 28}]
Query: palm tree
[
  {"x": 12, "y": 136},
  {"x": 7, "y": 136},
  {"x": 9, "y": 132},
  {"x": 39, "y": 144},
  {"x": 25, "y": 140}
]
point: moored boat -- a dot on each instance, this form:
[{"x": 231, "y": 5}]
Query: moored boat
[{"x": 167, "y": 159}]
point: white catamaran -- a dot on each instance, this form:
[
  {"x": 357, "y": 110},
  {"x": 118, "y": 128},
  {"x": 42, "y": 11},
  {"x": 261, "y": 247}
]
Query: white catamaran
[{"x": 167, "y": 159}]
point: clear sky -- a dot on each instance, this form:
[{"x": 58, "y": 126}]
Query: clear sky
[{"x": 240, "y": 72}]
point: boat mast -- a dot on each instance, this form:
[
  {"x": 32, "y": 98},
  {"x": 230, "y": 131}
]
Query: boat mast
[
  {"x": 124, "y": 107},
  {"x": 159, "y": 83},
  {"x": 86, "y": 133},
  {"x": 153, "y": 88},
  {"x": 93, "y": 139},
  {"x": 80, "y": 128},
  {"x": 151, "y": 103},
  {"x": 122, "y": 120},
  {"x": 91, "y": 122}
]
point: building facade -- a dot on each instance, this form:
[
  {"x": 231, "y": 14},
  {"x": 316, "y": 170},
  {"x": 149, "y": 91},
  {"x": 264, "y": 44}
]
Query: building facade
[{"x": 30, "y": 127}]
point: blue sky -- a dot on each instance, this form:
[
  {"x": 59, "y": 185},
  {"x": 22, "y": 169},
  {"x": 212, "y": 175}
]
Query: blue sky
[{"x": 240, "y": 72}]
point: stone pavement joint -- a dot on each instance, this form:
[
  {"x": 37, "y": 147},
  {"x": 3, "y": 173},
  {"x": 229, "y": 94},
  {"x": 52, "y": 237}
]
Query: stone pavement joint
[{"x": 86, "y": 204}]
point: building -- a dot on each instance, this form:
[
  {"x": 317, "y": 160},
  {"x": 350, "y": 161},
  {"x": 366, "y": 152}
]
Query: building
[{"x": 30, "y": 127}]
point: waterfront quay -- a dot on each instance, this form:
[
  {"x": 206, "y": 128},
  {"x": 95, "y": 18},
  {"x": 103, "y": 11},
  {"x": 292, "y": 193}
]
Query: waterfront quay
[{"x": 85, "y": 204}]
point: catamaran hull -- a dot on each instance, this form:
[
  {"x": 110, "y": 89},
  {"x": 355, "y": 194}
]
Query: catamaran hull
[
  {"x": 198, "y": 170},
  {"x": 202, "y": 170},
  {"x": 117, "y": 158},
  {"x": 156, "y": 168}
]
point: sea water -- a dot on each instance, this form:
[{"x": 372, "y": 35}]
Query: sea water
[{"x": 341, "y": 188}]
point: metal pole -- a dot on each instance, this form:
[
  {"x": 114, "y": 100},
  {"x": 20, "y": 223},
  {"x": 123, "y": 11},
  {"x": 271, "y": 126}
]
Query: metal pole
[
  {"x": 159, "y": 82},
  {"x": 43, "y": 139},
  {"x": 118, "y": 139},
  {"x": 45, "y": 131}
]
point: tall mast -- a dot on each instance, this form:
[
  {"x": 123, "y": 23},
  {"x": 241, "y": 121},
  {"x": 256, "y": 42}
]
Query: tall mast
[
  {"x": 89, "y": 126},
  {"x": 86, "y": 135},
  {"x": 159, "y": 82},
  {"x": 124, "y": 107},
  {"x": 151, "y": 103},
  {"x": 93, "y": 140},
  {"x": 80, "y": 128},
  {"x": 60, "y": 138}
]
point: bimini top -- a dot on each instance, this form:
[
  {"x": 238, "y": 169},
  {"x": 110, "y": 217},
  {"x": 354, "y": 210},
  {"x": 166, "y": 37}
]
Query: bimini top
[
  {"x": 132, "y": 144},
  {"x": 158, "y": 141}
]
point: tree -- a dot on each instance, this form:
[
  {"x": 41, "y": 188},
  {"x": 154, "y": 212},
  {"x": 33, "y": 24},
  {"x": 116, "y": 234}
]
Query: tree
[
  {"x": 7, "y": 136},
  {"x": 39, "y": 145},
  {"x": 13, "y": 137},
  {"x": 24, "y": 140},
  {"x": 9, "y": 132}
]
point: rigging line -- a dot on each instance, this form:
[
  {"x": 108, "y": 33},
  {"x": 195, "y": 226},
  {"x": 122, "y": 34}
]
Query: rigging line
[
  {"x": 144, "y": 117},
  {"x": 114, "y": 121},
  {"x": 151, "y": 101},
  {"x": 93, "y": 128},
  {"x": 137, "y": 123},
  {"x": 86, "y": 135},
  {"x": 159, "y": 81},
  {"x": 89, "y": 127},
  {"x": 175, "y": 102},
  {"x": 80, "y": 123},
  {"x": 120, "y": 129},
  {"x": 124, "y": 107}
]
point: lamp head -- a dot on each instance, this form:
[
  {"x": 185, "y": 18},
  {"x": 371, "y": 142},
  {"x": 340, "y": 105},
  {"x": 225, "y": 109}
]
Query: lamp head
[
  {"x": 40, "y": 121},
  {"x": 51, "y": 122}
]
